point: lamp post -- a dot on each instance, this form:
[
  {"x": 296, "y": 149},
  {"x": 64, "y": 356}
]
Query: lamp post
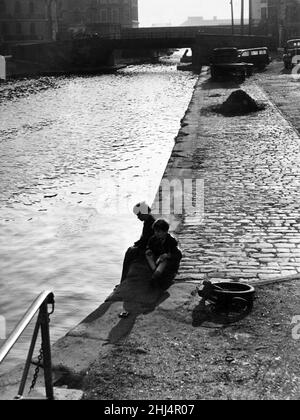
[
  {"x": 232, "y": 17},
  {"x": 242, "y": 17},
  {"x": 250, "y": 17}
]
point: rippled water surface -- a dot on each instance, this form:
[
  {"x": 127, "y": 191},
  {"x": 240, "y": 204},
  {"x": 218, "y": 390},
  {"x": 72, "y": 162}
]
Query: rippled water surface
[{"x": 75, "y": 155}]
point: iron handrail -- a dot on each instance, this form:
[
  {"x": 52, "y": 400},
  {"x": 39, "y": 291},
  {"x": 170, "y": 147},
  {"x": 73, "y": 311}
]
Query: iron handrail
[
  {"x": 40, "y": 304},
  {"x": 23, "y": 324}
]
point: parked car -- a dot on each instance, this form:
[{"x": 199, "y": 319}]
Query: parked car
[
  {"x": 291, "y": 55},
  {"x": 259, "y": 57},
  {"x": 225, "y": 64}
]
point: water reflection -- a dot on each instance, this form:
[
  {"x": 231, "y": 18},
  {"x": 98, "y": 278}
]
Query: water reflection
[{"x": 76, "y": 154}]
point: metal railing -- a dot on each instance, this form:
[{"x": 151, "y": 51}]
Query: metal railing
[{"x": 40, "y": 304}]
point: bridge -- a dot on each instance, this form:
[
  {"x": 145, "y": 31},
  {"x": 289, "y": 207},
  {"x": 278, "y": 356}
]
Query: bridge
[
  {"x": 202, "y": 40},
  {"x": 154, "y": 38},
  {"x": 97, "y": 51}
]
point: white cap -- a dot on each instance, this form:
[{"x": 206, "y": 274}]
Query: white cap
[{"x": 141, "y": 208}]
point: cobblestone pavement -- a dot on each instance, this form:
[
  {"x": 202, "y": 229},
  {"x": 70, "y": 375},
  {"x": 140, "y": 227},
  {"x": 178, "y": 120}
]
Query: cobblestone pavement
[
  {"x": 251, "y": 170},
  {"x": 283, "y": 89}
]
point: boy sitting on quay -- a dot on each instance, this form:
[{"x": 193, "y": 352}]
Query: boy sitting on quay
[
  {"x": 143, "y": 213},
  {"x": 163, "y": 255}
]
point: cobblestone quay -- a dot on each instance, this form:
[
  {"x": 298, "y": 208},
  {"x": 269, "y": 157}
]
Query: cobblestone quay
[{"x": 251, "y": 170}]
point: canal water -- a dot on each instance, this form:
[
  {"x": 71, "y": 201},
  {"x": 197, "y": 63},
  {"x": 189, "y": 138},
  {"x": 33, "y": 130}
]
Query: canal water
[{"x": 76, "y": 153}]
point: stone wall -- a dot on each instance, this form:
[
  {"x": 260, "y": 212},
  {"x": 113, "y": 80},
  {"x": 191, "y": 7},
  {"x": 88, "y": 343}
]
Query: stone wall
[{"x": 58, "y": 57}]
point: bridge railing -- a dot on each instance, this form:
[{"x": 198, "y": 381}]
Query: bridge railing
[
  {"x": 149, "y": 33},
  {"x": 159, "y": 35}
]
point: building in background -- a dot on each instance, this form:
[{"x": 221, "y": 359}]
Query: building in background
[
  {"x": 278, "y": 18},
  {"x": 96, "y": 16},
  {"x": 284, "y": 19},
  {"x": 258, "y": 17},
  {"x": 200, "y": 21},
  {"x": 28, "y": 20},
  {"x": 259, "y": 12},
  {"x": 122, "y": 12},
  {"x": 49, "y": 20}
]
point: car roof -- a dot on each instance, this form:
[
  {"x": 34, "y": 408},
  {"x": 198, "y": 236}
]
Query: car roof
[
  {"x": 254, "y": 49},
  {"x": 293, "y": 40},
  {"x": 226, "y": 49}
]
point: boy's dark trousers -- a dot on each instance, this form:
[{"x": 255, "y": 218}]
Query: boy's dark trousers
[
  {"x": 166, "y": 278},
  {"x": 132, "y": 254},
  {"x": 164, "y": 281}
]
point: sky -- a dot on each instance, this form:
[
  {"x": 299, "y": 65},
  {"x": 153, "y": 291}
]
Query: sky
[{"x": 177, "y": 11}]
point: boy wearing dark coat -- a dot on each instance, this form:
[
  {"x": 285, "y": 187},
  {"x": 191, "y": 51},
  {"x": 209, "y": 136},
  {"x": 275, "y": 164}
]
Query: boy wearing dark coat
[
  {"x": 163, "y": 255},
  {"x": 143, "y": 213}
]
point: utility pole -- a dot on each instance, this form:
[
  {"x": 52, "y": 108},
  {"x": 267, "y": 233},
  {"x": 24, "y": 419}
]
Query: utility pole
[
  {"x": 232, "y": 17},
  {"x": 250, "y": 17},
  {"x": 242, "y": 17}
]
